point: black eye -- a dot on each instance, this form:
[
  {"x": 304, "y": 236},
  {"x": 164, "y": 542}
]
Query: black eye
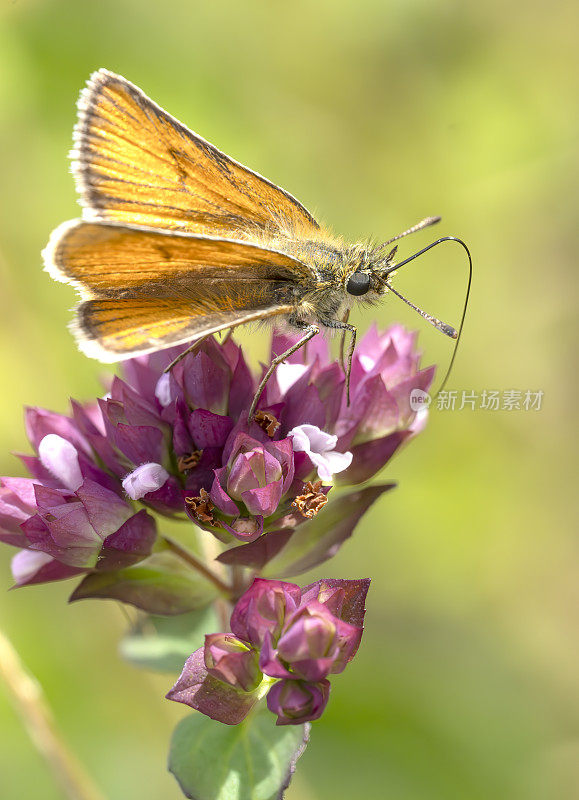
[{"x": 358, "y": 283}]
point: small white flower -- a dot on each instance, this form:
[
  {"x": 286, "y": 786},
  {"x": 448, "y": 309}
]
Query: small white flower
[
  {"x": 144, "y": 479},
  {"x": 419, "y": 422},
  {"x": 60, "y": 458},
  {"x": 367, "y": 362},
  {"x": 287, "y": 374},
  {"x": 163, "y": 390},
  {"x": 319, "y": 446}
]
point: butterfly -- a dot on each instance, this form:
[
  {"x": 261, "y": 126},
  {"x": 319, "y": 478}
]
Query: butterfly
[{"x": 178, "y": 241}]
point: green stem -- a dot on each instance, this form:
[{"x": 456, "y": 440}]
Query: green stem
[
  {"x": 31, "y": 704},
  {"x": 238, "y": 580},
  {"x": 197, "y": 564}
]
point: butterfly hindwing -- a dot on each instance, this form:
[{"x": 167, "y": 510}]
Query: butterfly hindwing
[{"x": 114, "y": 329}]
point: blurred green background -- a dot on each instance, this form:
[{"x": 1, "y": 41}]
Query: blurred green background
[{"x": 374, "y": 114}]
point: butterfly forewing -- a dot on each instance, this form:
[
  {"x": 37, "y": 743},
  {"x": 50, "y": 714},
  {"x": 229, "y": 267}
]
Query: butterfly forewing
[
  {"x": 134, "y": 163},
  {"x": 174, "y": 241}
]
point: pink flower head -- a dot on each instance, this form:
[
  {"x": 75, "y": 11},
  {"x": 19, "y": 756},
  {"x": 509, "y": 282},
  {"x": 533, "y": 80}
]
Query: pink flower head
[
  {"x": 313, "y": 643},
  {"x": 180, "y": 441},
  {"x": 89, "y": 529},
  {"x": 300, "y": 637}
]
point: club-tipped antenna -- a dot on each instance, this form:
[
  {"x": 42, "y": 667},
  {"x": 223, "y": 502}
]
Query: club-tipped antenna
[
  {"x": 441, "y": 326},
  {"x": 424, "y": 223}
]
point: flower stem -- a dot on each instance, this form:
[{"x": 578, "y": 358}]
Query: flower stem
[
  {"x": 31, "y": 704},
  {"x": 238, "y": 580},
  {"x": 223, "y": 611},
  {"x": 198, "y": 565}
]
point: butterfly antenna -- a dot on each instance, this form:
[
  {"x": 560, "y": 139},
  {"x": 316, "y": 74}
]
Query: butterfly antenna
[
  {"x": 441, "y": 326},
  {"x": 438, "y": 324},
  {"x": 424, "y": 223}
]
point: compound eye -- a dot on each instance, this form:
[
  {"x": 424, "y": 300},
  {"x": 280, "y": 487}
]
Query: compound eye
[{"x": 358, "y": 283}]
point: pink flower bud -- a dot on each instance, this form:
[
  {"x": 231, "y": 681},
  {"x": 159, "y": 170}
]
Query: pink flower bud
[
  {"x": 263, "y": 609},
  {"x": 310, "y": 643},
  {"x": 256, "y": 475},
  {"x": 295, "y": 702},
  {"x": 229, "y": 659}
]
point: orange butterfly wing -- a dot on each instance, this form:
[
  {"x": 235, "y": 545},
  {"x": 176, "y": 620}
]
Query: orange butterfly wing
[
  {"x": 146, "y": 289},
  {"x": 166, "y": 254},
  {"x": 136, "y": 164},
  {"x": 111, "y": 330},
  {"x": 107, "y": 259}
]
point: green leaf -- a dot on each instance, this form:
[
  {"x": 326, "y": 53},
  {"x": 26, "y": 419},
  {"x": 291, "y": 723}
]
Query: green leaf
[
  {"x": 165, "y": 643},
  {"x": 160, "y": 584},
  {"x": 254, "y": 760},
  {"x": 321, "y": 537}
]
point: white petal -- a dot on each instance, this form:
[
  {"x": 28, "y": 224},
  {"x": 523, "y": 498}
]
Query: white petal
[
  {"x": 146, "y": 478},
  {"x": 319, "y": 441},
  {"x": 419, "y": 422},
  {"x": 26, "y": 564},
  {"x": 163, "y": 390},
  {"x": 321, "y": 464},
  {"x": 300, "y": 440},
  {"x": 60, "y": 458},
  {"x": 319, "y": 446},
  {"x": 288, "y": 374},
  {"x": 366, "y": 362},
  {"x": 330, "y": 464},
  {"x": 338, "y": 462}
]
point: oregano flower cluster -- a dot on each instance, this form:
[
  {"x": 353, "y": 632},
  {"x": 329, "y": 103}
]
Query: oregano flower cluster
[{"x": 258, "y": 499}]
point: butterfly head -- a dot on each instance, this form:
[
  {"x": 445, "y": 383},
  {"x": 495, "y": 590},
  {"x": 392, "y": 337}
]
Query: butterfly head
[{"x": 368, "y": 279}]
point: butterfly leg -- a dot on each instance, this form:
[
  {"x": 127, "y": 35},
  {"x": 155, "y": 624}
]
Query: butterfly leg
[
  {"x": 186, "y": 352},
  {"x": 336, "y": 324},
  {"x": 310, "y": 332},
  {"x": 345, "y": 318}
]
